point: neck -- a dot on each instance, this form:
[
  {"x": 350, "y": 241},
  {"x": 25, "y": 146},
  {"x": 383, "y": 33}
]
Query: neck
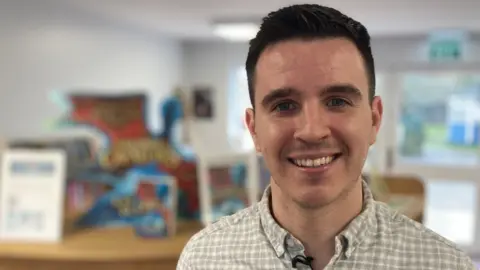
[{"x": 317, "y": 228}]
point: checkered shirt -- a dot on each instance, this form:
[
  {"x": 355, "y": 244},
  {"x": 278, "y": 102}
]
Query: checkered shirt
[{"x": 377, "y": 239}]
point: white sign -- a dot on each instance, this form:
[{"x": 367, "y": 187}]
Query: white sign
[{"x": 32, "y": 194}]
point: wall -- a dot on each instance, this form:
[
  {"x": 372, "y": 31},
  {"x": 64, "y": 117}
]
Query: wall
[
  {"x": 211, "y": 63},
  {"x": 44, "y": 48}
]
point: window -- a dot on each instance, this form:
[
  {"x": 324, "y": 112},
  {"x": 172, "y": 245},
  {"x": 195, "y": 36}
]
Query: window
[{"x": 238, "y": 102}]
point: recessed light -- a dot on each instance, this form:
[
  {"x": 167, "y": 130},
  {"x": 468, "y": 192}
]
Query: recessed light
[{"x": 236, "y": 32}]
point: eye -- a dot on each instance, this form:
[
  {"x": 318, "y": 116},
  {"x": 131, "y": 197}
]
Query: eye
[
  {"x": 285, "y": 106},
  {"x": 337, "y": 102}
]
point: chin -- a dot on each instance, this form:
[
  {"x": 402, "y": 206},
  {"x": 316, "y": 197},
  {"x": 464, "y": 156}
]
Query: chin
[
  {"x": 313, "y": 203},
  {"x": 316, "y": 196}
]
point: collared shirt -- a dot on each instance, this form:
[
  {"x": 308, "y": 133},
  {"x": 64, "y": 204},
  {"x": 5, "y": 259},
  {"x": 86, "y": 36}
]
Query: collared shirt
[{"x": 378, "y": 238}]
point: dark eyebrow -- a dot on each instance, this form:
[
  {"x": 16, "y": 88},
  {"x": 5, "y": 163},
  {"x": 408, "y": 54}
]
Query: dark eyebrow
[
  {"x": 278, "y": 94},
  {"x": 346, "y": 89}
]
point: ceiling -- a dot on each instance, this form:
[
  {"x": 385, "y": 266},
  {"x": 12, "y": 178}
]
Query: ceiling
[{"x": 191, "y": 19}]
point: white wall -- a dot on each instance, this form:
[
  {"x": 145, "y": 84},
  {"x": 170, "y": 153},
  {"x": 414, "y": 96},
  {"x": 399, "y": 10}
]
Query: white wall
[
  {"x": 45, "y": 49},
  {"x": 210, "y": 63}
]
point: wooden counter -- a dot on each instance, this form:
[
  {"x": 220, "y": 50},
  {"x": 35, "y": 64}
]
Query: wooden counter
[{"x": 118, "y": 249}]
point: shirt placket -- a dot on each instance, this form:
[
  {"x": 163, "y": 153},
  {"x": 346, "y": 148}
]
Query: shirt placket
[
  {"x": 294, "y": 248},
  {"x": 339, "y": 249}
]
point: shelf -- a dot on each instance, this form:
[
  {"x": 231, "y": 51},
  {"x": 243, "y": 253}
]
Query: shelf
[{"x": 104, "y": 245}]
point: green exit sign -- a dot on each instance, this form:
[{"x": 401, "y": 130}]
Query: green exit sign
[
  {"x": 447, "y": 45},
  {"x": 445, "y": 50}
]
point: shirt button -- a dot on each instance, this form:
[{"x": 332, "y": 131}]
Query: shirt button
[{"x": 290, "y": 242}]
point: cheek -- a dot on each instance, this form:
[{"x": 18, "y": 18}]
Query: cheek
[
  {"x": 355, "y": 132},
  {"x": 273, "y": 137}
]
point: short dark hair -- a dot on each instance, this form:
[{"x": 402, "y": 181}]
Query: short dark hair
[{"x": 308, "y": 22}]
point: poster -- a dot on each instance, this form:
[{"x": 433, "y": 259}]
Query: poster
[
  {"x": 32, "y": 195},
  {"x": 131, "y": 148}
]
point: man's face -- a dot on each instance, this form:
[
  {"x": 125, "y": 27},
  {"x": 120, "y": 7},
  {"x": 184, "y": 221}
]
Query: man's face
[{"x": 313, "y": 122}]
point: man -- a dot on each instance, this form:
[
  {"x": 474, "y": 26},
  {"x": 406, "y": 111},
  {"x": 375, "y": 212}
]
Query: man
[{"x": 315, "y": 114}]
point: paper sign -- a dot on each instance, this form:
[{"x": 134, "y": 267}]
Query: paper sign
[{"x": 32, "y": 195}]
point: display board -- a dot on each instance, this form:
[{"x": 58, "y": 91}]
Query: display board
[{"x": 32, "y": 191}]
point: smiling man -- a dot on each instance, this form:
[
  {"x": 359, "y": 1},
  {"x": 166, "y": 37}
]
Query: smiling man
[{"x": 315, "y": 114}]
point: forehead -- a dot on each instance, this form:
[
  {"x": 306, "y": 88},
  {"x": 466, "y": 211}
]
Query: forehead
[{"x": 310, "y": 64}]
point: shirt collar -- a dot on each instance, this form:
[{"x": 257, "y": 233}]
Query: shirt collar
[
  {"x": 360, "y": 228},
  {"x": 275, "y": 234},
  {"x": 363, "y": 226}
]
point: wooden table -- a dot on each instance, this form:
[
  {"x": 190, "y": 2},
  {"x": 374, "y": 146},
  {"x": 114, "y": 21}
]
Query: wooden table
[{"x": 91, "y": 249}]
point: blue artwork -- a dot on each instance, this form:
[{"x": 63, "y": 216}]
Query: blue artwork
[{"x": 143, "y": 202}]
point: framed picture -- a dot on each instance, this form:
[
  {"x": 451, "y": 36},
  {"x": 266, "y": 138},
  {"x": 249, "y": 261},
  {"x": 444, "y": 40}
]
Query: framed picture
[
  {"x": 228, "y": 184},
  {"x": 203, "y": 102}
]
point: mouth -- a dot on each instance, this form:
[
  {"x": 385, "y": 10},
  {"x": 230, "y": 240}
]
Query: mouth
[{"x": 314, "y": 162}]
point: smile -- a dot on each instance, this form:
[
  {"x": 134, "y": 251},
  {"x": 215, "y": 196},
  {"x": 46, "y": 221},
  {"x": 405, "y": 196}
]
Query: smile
[{"x": 313, "y": 162}]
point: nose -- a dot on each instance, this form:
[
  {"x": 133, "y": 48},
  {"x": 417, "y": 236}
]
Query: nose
[{"x": 313, "y": 125}]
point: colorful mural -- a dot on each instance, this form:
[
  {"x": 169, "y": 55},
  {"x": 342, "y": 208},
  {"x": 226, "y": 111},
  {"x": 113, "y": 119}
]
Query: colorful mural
[{"x": 132, "y": 152}]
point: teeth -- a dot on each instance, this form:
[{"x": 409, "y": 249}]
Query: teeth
[{"x": 313, "y": 162}]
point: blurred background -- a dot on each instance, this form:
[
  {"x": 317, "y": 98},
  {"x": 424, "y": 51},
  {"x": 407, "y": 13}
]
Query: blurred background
[{"x": 427, "y": 56}]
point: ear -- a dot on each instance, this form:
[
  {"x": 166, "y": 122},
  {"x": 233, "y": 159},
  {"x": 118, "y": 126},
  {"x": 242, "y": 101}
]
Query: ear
[
  {"x": 250, "y": 120},
  {"x": 377, "y": 115}
]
